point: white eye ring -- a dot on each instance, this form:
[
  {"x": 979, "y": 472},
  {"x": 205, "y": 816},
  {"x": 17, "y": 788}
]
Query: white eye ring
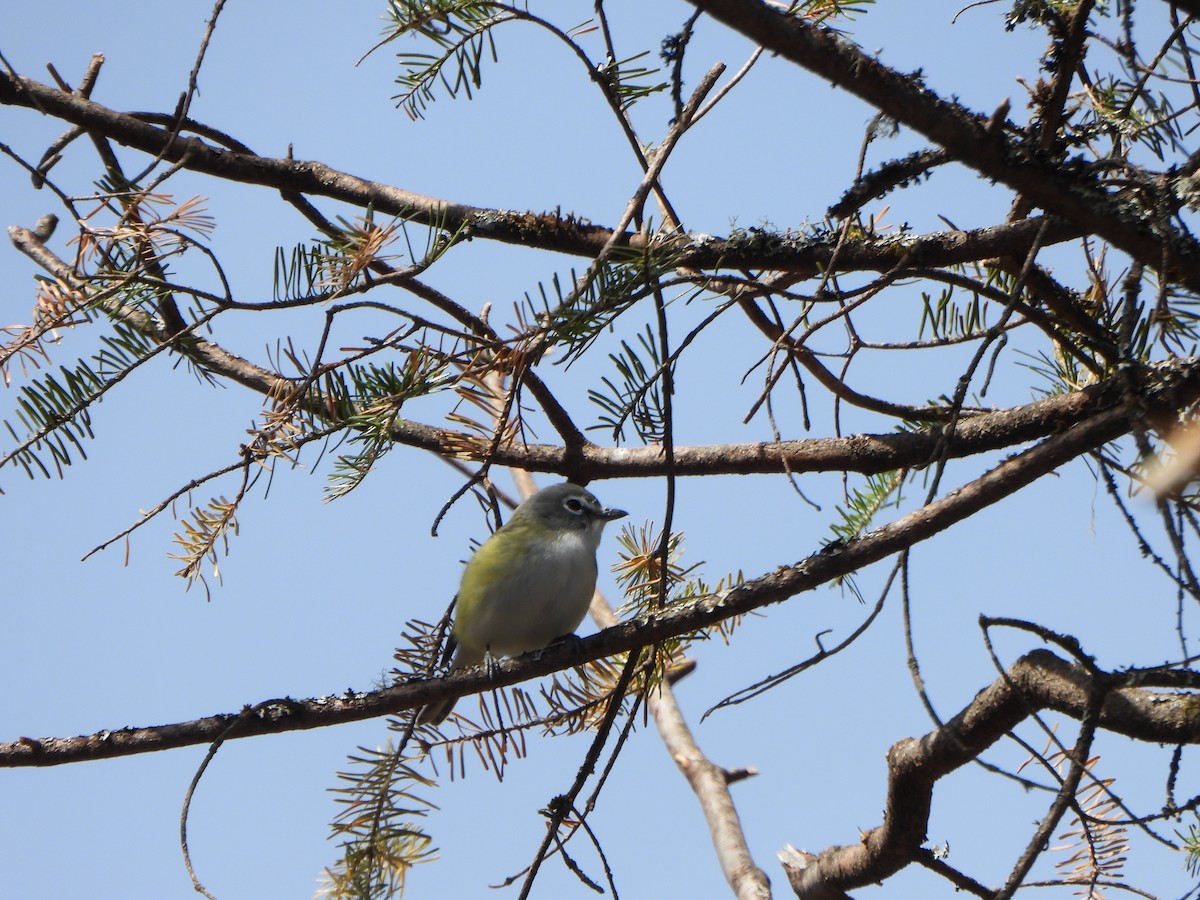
[{"x": 573, "y": 504}]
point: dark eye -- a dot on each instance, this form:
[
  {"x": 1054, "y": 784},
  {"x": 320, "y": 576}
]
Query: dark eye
[{"x": 573, "y": 504}]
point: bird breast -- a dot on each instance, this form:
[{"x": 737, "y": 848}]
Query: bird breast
[{"x": 543, "y": 598}]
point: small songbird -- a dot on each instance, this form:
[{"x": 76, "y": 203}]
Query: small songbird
[{"x": 530, "y": 583}]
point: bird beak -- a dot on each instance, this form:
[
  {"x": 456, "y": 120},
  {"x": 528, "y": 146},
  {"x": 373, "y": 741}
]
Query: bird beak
[{"x": 609, "y": 514}]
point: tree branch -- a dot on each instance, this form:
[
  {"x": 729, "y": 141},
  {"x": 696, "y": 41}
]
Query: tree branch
[
  {"x": 1066, "y": 191},
  {"x": 1037, "y": 681},
  {"x": 801, "y": 255},
  {"x": 832, "y": 562},
  {"x": 1166, "y": 387}
]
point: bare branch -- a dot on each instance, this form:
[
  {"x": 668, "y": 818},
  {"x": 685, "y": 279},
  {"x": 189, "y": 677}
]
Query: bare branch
[
  {"x": 1037, "y": 681},
  {"x": 787, "y": 581},
  {"x": 801, "y": 254},
  {"x": 1075, "y": 195},
  {"x": 1170, "y": 386}
]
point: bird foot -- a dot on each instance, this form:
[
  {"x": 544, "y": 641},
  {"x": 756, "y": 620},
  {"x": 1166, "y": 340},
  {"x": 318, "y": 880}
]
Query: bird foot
[{"x": 491, "y": 664}]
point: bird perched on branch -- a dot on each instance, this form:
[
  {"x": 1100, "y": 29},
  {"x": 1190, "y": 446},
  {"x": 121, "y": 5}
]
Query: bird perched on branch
[{"x": 530, "y": 583}]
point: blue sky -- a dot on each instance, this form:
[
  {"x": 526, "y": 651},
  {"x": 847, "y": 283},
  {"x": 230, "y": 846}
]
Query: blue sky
[{"x": 314, "y": 595}]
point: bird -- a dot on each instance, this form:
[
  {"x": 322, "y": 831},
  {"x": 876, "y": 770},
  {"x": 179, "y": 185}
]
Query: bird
[{"x": 529, "y": 584}]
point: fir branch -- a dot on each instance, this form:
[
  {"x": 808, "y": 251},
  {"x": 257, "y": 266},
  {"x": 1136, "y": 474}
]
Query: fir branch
[
  {"x": 948, "y": 320},
  {"x": 864, "y": 503},
  {"x": 57, "y": 306},
  {"x": 207, "y": 527},
  {"x": 1191, "y": 846},
  {"x": 369, "y": 398},
  {"x": 1097, "y": 842},
  {"x": 630, "y": 83},
  {"x": 573, "y": 317},
  {"x": 638, "y": 397},
  {"x": 55, "y": 410},
  {"x": 461, "y": 30},
  {"x": 379, "y": 826}
]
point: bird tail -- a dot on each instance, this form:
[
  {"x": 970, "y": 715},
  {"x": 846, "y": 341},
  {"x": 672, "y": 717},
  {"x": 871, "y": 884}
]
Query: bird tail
[{"x": 435, "y": 713}]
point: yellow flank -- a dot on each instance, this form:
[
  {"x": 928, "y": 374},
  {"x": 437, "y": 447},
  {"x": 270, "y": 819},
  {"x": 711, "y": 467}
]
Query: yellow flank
[{"x": 503, "y": 552}]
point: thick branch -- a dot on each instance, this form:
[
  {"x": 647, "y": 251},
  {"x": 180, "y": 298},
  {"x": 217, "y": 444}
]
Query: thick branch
[
  {"x": 567, "y": 234},
  {"x": 787, "y": 581},
  {"x": 311, "y": 178},
  {"x": 1166, "y": 388},
  {"x": 710, "y": 783},
  {"x": 1038, "y": 681},
  {"x": 1045, "y": 181}
]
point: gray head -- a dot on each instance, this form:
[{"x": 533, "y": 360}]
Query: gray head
[{"x": 568, "y": 507}]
